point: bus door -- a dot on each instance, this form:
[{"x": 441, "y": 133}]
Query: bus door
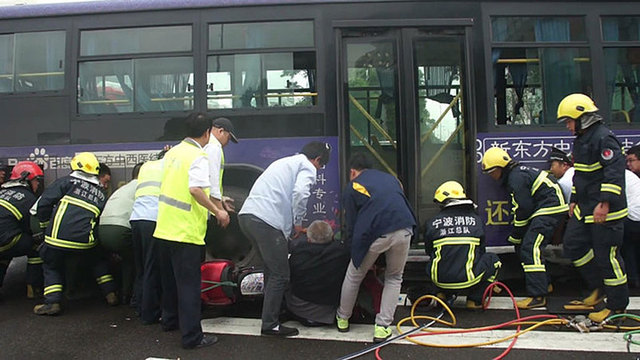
[{"x": 402, "y": 101}]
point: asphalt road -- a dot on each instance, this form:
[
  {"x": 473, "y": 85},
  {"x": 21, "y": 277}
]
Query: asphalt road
[{"x": 89, "y": 329}]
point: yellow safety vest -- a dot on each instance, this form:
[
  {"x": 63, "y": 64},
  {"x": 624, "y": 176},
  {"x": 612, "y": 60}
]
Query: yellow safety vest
[
  {"x": 149, "y": 179},
  {"x": 180, "y": 217}
]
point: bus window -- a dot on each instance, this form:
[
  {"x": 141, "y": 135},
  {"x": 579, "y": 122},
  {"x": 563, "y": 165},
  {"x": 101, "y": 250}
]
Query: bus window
[
  {"x": 135, "y": 40},
  {"x": 261, "y": 80},
  {"x": 31, "y": 62},
  {"x": 158, "y": 84},
  {"x": 530, "y": 80},
  {"x": 622, "y": 67}
]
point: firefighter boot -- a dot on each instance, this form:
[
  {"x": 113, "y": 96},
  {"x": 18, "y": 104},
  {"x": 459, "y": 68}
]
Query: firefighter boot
[
  {"x": 47, "y": 309},
  {"x": 112, "y": 299},
  {"x": 33, "y": 292},
  {"x": 595, "y": 298},
  {"x": 602, "y": 315},
  {"x": 473, "y": 305},
  {"x": 532, "y": 302}
]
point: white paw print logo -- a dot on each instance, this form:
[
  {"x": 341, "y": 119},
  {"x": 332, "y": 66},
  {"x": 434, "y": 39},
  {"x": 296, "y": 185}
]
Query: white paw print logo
[{"x": 40, "y": 157}]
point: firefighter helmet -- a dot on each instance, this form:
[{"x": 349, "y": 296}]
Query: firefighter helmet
[
  {"x": 449, "y": 190},
  {"x": 86, "y": 162},
  {"x": 494, "y": 158},
  {"x": 26, "y": 170},
  {"x": 574, "y": 106}
]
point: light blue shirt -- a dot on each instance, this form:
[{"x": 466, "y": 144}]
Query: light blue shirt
[
  {"x": 279, "y": 196},
  {"x": 145, "y": 208}
]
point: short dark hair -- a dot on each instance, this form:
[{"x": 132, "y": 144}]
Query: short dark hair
[
  {"x": 104, "y": 170},
  {"x": 197, "y": 124},
  {"x": 317, "y": 148},
  {"x": 634, "y": 150},
  {"x": 360, "y": 161},
  {"x": 136, "y": 170}
]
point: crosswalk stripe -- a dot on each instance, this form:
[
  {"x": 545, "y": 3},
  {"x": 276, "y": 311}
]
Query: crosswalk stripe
[{"x": 536, "y": 340}]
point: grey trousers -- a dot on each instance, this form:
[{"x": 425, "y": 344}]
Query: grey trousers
[
  {"x": 274, "y": 250},
  {"x": 395, "y": 246}
]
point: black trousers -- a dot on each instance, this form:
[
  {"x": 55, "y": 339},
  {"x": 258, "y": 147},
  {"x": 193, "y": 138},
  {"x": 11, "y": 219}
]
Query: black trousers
[
  {"x": 594, "y": 251},
  {"x": 181, "y": 281},
  {"x": 24, "y": 246},
  {"x": 537, "y": 236},
  {"x": 54, "y": 264},
  {"x": 147, "y": 284}
]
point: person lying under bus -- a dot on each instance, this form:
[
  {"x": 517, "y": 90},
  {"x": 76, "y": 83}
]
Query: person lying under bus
[
  {"x": 454, "y": 239},
  {"x": 538, "y": 206},
  {"x": 317, "y": 267}
]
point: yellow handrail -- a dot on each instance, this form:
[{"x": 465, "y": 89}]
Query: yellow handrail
[
  {"x": 372, "y": 150},
  {"x": 433, "y": 128},
  {"x": 372, "y": 120},
  {"x": 441, "y": 150}
]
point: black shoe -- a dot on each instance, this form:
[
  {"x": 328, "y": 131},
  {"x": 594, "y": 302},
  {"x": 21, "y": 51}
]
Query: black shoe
[
  {"x": 207, "y": 340},
  {"x": 282, "y": 331}
]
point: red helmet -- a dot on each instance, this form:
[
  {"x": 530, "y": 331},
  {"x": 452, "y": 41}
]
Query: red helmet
[{"x": 26, "y": 170}]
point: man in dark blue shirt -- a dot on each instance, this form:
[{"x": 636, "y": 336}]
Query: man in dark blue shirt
[{"x": 378, "y": 220}]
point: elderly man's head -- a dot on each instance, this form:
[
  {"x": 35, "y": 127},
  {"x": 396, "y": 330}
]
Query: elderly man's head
[{"x": 319, "y": 232}]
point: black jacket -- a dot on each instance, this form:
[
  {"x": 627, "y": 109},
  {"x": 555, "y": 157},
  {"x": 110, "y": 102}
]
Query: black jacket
[
  {"x": 70, "y": 208},
  {"x": 454, "y": 239},
  {"x": 599, "y": 176},
  {"x": 374, "y": 205},
  {"x": 317, "y": 271},
  {"x": 15, "y": 203},
  {"x": 534, "y": 193}
]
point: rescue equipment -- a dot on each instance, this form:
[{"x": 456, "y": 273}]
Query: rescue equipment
[
  {"x": 574, "y": 105},
  {"x": 224, "y": 284},
  {"x": 449, "y": 190}
]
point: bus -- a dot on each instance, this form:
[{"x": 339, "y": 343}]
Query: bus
[{"x": 423, "y": 86}]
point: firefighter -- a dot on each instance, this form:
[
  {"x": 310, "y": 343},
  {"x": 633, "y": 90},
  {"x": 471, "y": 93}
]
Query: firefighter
[
  {"x": 598, "y": 206},
  {"x": 454, "y": 239},
  {"x": 16, "y": 239},
  {"x": 69, "y": 209},
  {"x": 538, "y": 205}
]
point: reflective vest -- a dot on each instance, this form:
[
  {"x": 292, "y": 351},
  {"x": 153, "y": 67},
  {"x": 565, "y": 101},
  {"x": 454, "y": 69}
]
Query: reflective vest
[
  {"x": 180, "y": 217},
  {"x": 149, "y": 179}
]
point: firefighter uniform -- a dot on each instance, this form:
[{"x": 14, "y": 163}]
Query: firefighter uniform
[
  {"x": 538, "y": 205},
  {"x": 594, "y": 248},
  {"x": 69, "y": 209},
  {"x": 455, "y": 241},
  {"x": 15, "y": 233}
]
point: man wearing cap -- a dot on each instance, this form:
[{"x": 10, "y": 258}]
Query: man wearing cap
[
  {"x": 598, "y": 206},
  {"x": 221, "y": 133},
  {"x": 561, "y": 166}
]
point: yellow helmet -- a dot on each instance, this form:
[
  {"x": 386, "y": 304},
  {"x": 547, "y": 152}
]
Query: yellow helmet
[
  {"x": 86, "y": 162},
  {"x": 494, "y": 158},
  {"x": 449, "y": 190},
  {"x": 574, "y": 105}
]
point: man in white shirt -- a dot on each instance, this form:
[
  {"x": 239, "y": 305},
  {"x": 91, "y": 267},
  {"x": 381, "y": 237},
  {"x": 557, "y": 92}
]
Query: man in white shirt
[
  {"x": 273, "y": 210},
  {"x": 630, "y": 246},
  {"x": 221, "y": 133}
]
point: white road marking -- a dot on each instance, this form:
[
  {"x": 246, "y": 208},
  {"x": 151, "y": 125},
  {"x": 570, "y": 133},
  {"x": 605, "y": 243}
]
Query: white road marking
[
  {"x": 536, "y": 340},
  {"x": 505, "y": 303}
]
